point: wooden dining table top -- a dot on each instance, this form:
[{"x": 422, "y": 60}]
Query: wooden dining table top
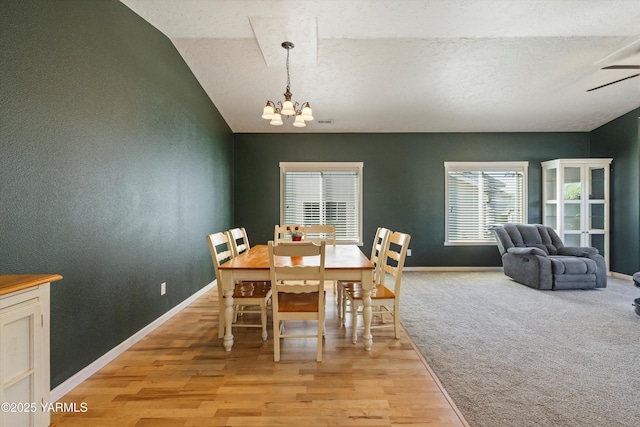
[{"x": 337, "y": 257}]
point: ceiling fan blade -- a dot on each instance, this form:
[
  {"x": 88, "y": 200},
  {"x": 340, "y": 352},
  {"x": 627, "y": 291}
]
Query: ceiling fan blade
[
  {"x": 630, "y": 77},
  {"x": 622, "y": 67}
]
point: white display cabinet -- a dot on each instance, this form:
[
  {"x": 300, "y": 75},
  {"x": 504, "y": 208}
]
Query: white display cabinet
[{"x": 575, "y": 201}]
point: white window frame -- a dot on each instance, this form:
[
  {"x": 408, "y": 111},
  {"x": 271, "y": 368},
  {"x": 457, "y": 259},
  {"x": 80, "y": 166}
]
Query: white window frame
[
  {"x": 519, "y": 167},
  {"x": 325, "y": 167}
]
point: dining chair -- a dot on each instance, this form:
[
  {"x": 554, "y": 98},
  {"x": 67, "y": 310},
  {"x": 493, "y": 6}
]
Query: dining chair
[
  {"x": 246, "y": 295},
  {"x": 383, "y": 300},
  {"x": 322, "y": 232},
  {"x": 380, "y": 244},
  {"x": 319, "y": 232},
  {"x": 282, "y": 233},
  {"x": 298, "y": 294},
  {"x": 240, "y": 244}
]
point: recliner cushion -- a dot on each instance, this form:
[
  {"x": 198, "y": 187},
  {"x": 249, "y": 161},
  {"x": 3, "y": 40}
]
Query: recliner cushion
[
  {"x": 531, "y": 235},
  {"x": 572, "y": 265}
]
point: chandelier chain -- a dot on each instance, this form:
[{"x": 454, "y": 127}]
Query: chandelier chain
[{"x": 288, "y": 80}]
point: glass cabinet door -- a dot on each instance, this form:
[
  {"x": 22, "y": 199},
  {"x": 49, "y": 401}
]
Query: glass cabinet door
[
  {"x": 550, "y": 196},
  {"x": 572, "y": 206},
  {"x": 597, "y": 199},
  {"x": 596, "y": 215}
]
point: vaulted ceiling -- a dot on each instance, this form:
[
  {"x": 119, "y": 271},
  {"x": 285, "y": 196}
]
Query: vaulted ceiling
[{"x": 411, "y": 65}]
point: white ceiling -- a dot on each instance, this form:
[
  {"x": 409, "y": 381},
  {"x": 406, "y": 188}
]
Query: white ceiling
[{"x": 410, "y": 65}]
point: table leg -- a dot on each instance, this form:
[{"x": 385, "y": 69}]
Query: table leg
[
  {"x": 366, "y": 316},
  {"x": 227, "y": 286},
  {"x": 367, "y": 338},
  {"x": 228, "y": 319}
]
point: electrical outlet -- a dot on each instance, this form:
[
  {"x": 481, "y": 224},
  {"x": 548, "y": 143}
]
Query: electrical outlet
[
  {"x": 163, "y": 288},
  {"x": 408, "y": 252}
]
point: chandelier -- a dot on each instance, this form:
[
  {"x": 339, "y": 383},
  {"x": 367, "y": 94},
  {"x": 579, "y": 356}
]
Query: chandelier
[{"x": 274, "y": 112}]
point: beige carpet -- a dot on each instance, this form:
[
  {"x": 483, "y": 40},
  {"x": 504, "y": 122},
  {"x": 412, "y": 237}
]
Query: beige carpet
[{"x": 512, "y": 356}]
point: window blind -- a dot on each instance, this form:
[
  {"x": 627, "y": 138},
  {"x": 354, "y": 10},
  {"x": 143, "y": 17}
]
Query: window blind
[
  {"x": 481, "y": 198},
  {"x": 317, "y": 196}
]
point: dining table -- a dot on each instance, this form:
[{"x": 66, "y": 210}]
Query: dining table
[{"x": 342, "y": 262}]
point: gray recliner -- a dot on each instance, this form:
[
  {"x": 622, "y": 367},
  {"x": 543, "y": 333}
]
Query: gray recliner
[{"x": 534, "y": 255}]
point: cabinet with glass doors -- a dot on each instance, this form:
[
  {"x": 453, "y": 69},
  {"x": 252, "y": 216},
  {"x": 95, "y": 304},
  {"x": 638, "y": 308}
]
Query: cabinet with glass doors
[{"x": 575, "y": 201}]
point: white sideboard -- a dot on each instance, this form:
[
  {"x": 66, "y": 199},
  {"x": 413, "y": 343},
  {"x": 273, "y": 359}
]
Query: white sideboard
[{"x": 24, "y": 349}]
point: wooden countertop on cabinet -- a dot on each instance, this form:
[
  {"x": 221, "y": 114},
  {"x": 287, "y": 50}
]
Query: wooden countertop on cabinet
[{"x": 16, "y": 282}]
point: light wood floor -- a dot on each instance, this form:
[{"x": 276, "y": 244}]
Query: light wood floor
[{"x": 180, "y": 375}]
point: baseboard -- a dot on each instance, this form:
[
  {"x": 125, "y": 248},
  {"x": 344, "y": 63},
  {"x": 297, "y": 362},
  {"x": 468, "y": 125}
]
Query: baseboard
[
  {"x": 445, "y": 268},
  {"x": 620, "y": 275},
  {"x": 454, "y": 269},
  {"x": 94, "y": 367}
]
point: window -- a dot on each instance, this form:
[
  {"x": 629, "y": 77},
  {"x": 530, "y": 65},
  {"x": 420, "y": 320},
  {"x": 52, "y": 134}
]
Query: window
[
  {"x": 323, "y": 193},
  {"x": 481, "y": 195}
]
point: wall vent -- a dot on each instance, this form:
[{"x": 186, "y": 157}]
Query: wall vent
[{"x": 325, "y": 121}]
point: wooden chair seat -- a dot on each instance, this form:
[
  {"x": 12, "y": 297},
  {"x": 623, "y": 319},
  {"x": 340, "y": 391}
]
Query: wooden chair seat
[
  {"x": 306, "y": 302},
  {"x": 252, "y": 290},
  {"x": 380, "y": 291}
]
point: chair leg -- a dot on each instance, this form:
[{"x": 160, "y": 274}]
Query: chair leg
[
  {"x": 354, "y": 319},
  {"x": 263, "y": 316},
  {"x": 320, "y": 337},
  {"x": 345, "y": 300},
  {"x": 319, "y": 346},
  {"x": 276, "y": 341},
  {"x": 396, "y": 319}
]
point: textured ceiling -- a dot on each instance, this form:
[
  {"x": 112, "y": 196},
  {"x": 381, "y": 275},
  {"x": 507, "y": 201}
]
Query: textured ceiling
[{"x": 410, "y": 65}]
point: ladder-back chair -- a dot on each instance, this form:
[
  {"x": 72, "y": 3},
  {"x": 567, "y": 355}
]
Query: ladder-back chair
[
  {"x": 320, "y": 232},
  {"x": 297, "y": 274},
  {"x": 282, "y": 233},
  {"x": 380, "y": 244},
  {"x": 239, "y": 240},
  {"x": 383, "y": 300},
  {"x": 245, "y": 294}
]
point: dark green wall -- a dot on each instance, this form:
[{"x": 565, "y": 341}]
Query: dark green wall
[
  {"x": 403, "y": 180},
  {"x": 620, "y": 139},
  {"x": 114, "y": 165}
]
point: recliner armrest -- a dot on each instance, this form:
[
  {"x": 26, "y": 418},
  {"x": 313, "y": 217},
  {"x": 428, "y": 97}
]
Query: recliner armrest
[
  {"x": 526, "y": 251},
  {"x": 583, "y": 251}
]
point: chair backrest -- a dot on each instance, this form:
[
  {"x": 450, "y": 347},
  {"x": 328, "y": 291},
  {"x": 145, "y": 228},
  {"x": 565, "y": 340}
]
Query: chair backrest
[
  {"x": 394, "y": 256},
  {"x": 239, "y": 240},
  {"x": 319, "y": 232},
  {"x": 299, "y": 264},
  {"x": 380, "y": 245},
  {"x": 527, "y": 235},
  {"x": 296, "y": 263},
  {"x": 221, "y": 252},
  {"x": 282, "y": 233}
]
